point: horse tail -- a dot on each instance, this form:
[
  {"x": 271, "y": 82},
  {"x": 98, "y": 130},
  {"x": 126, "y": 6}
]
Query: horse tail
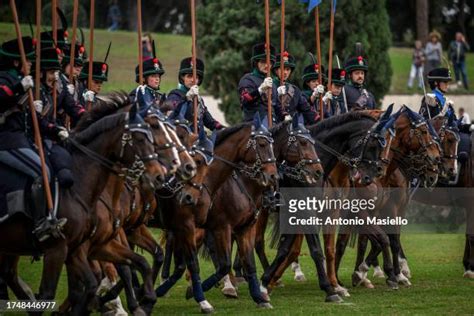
[
  {"x": 163, "y": 238},
  {"x": 207, "y": 245},
  {"x": 275, "y": 232}
]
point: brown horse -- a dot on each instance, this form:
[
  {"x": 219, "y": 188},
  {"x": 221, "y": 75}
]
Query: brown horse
[
  {"x": 238, "y": 202},
  {"x": 414, "y": 146},
  {"x": 245, "y": 147},
  {"x": 102, "y": 142}
]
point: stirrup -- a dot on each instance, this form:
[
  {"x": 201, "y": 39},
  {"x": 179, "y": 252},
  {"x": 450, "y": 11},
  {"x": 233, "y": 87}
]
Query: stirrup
[{"x": 47, "y": 228}]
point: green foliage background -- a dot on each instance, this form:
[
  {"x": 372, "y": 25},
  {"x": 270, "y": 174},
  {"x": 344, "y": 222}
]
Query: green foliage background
[{"x": 229, "y": 28}]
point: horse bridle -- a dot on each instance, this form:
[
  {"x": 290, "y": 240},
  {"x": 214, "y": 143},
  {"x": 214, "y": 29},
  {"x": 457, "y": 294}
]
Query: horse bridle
[
  {"x": 133, "y": 173},
  {"x": 442, "y": 134},
  {"x": 298, "y": 172}
]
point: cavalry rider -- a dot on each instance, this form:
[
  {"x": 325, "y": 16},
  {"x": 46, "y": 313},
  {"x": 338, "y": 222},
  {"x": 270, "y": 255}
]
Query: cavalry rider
[
  {"x": 187, "y": 90},
  {"x": 79, "y": 56},
  {"x": 148, "y": 93},
  {"x": 333, "y": 100},
  {"x": 253, "y": 86},
  {"x": 290, "y": 98},
  {"x": 358, "y": 98},
  {"x": 16, "y": 132},
  {"x": 312, "y": 88},
  {"x": 434, "y": 103},
  {"x": 65, "y": 104},
  {"x": 100, "y": 71}
]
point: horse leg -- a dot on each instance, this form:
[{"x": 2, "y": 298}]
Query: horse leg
[
  {"x": 395, "y": 247},
  {"x": 359, "y": 276},
  {"x": 341, "y": 245},
  {"x": 53, "y": 262},
  {"x": 290, "y": 259},
  {"x": 329, "y": 250},
  {"x": 179, "y": 269},
  {"x": 403, "y": 261},
  {"x": 10, "y": 278},
  {"x": 115, "y": 251},
  {"x": 468, "y": 259},
  {"x": 245, "y": 247},
  {"x": 284, "y": 247},
  {"x": 260, "y": 227},
  {"x": 165, "y": 272},
  {"x": 187, "y": 239},
  {"x": 143, "y": 238}
]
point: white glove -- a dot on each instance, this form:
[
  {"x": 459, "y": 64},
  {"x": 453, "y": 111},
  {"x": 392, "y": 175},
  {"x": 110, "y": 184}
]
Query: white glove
[
  {"x": 430, "y": 99},
  {"x": 70, "y": 89},
  {"x": 266, "y": 84},
  {"x": 56, "y": 75},
  {"x": 449, "y": 102},
  {"x": 319, "y": 89},
  {"x": 364, "y": 92},
  {"x": 281, "y": 90},
  {"x": 27, "y": 83},
  {"x": 89, "y": 96},
  {"x": 288, "y": 118},
  {"x": 327, "y": 97},
  {"x": 192, "y": 92},
  {"x": 63, "y": 133},
  {"x": 38, "y": 105}
]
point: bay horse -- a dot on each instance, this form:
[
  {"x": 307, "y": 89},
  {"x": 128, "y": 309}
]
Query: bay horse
[
  {"x": 413, "y": 145},
  {"x": 246, "y": 147},
  {"x": 98, "y": 149},
  {"x": 345, "y": 138},
  {"x": 238, "y": 202}
]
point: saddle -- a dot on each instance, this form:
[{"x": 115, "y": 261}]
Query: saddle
[{"x": 21, "y": 187}]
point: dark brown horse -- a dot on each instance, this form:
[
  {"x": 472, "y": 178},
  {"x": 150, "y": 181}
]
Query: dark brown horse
[
  {"x": 102, "y": 142},
  {"x": 245, "y": 147},
  {"x": 238, "y": 202}
]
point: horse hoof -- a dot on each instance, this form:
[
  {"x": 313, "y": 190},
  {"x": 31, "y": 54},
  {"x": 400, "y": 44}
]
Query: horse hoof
[
  {"x": 279, "y": 283},
  {"x": 239, "y": 280},
  {"x": 265, "y": 296},
  {"x": 230, "y": 292},
  {"x": 265, "y": 305},
  {"x": 363, "y": 267},
  {"x": 378, "y": 273},
  {"x": 341, "y": 291},
  {"x": 393, "y": 285},
  {"x": 137, "y": 312},
  {"x": 468, "y": 274},
  {"x": 189, "y": 293},
  {"x": 367, "y": 284},
  {"x": 206, "y": 308},
  {"x": 403, "y": 280},
  {"x": 359, "y": 278},
  {"x": 300, "y": 277},
  {"x": 333, "y": 299}
]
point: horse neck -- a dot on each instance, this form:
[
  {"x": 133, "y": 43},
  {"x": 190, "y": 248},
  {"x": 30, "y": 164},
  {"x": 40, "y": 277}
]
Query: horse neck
[
  {"x": 85, "y": 169},
  {"x": 232, "y": 149}
]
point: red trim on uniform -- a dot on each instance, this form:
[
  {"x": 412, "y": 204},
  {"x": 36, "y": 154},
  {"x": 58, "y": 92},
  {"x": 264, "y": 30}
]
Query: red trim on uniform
[
  {"x": 7, "y": 90},
  {"x": 246, "y": 96},
  {"x": 81, "y": 110}
]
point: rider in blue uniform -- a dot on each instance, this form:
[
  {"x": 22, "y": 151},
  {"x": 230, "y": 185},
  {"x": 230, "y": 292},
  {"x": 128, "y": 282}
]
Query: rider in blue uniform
[
  {"x": 334, "y": 103},
  {"x": 16, "y": 135},
  {"x": 358, "y": 98},
  {"x": 253, "y": 87},
  {"x": 188, "y": 90},
  {"x": 148, "y": 94},
  {"x": 290, "y": 98},
  {"x": 312, "y": 88},
  {"x": 435, "y": 102}
]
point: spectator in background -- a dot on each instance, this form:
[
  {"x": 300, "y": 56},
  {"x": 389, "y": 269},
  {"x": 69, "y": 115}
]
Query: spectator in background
[
  {"x": 464, "y": 121},
  {"x": 457, "y": 53},
  {"x": 418, "y": 60},
  {"x": 433, "y": 52},
  {"x": 114, "y": 16}
]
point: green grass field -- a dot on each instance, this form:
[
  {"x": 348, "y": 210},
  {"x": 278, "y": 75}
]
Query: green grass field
[
  {"x": 172, "y": 48},
  {"x": 438, "y": 287}
]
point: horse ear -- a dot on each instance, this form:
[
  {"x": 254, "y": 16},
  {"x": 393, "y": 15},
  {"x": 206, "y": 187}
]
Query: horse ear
[
  {"x": 182, "y": 111},
  {"x": 389, "y": 110},
  {"x": 256, "y": 121},
  {"x": 214, "y": 137}
]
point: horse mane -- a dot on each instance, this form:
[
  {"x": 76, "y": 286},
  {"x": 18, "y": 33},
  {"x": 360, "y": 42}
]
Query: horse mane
[
  {"x": 100, "y": 126},
  {"x": 338, "y": 120},
  {"x": 224, "y": 134},
  {"x": 104, "y": 105}
]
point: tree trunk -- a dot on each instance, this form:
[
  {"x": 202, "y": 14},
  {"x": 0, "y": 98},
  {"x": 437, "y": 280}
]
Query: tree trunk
[
  {"x": 422, "y": 25},
  {"x": 462, "y": 16}
]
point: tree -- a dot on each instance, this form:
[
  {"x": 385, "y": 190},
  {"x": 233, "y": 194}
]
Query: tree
[
  {"x": 422, "y": 20},
  {"x": 228, "y": 29}
]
